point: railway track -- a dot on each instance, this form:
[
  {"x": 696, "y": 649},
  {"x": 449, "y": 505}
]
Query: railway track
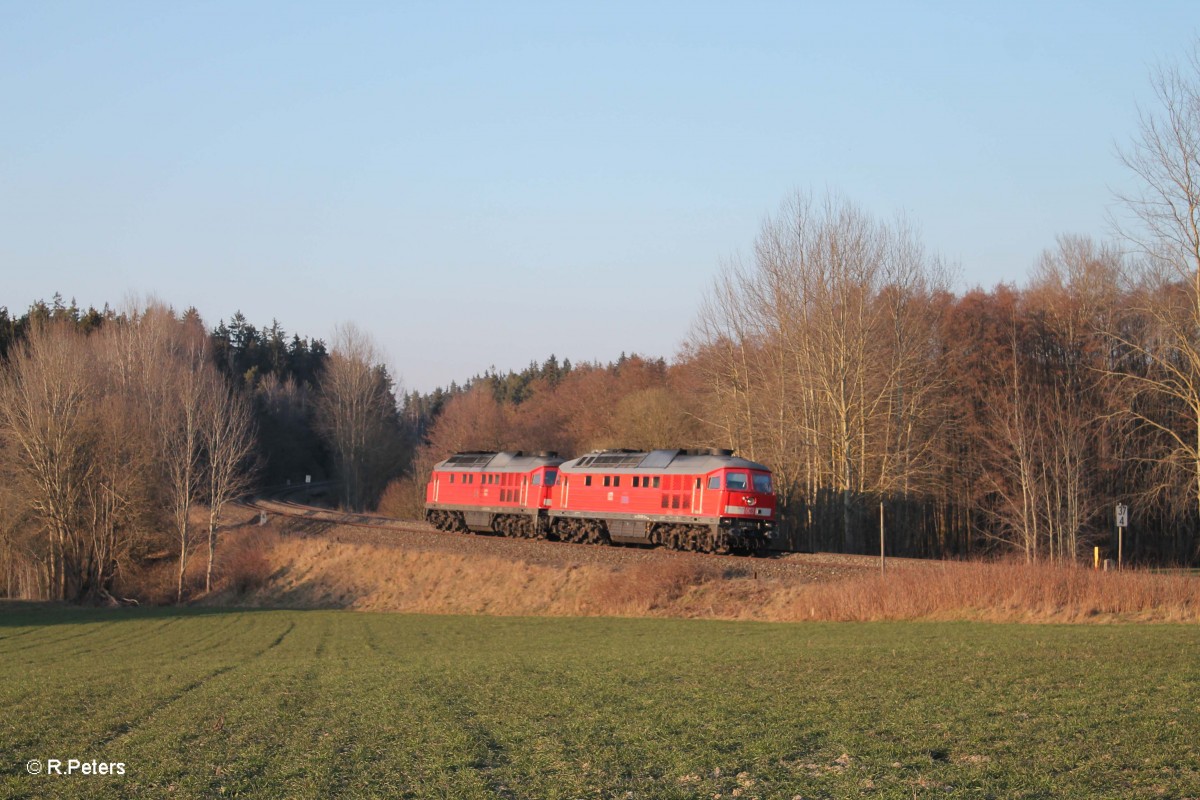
[{"x": 377, "y": 530}]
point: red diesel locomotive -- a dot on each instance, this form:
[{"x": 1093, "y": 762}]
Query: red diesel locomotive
[{"x": 702, "y": 500}]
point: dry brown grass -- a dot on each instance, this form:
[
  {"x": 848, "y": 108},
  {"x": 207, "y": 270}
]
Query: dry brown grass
[
  {"x": 1003, "y": 592},
  {"x": 268, "y": 569}
]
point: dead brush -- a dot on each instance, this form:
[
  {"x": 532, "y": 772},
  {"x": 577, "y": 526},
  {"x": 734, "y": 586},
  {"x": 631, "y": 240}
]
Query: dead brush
[
  {"x": 244, "y": 565},
  {"x": 648, "y": 587}
]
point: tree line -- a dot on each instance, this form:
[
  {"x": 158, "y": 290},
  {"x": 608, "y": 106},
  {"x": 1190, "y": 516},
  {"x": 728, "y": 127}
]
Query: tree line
[
  {"x": 123, "y": 436},
  {"x": 897, "y": 415},
  {"x": 901, "y": 417}
]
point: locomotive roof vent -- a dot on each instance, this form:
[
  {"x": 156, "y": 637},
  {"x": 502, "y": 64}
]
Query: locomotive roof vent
[
  {"x": 616, "y": 459},
  {"x": 719, "y": 451},
  {"x": 471, "y": 458}
]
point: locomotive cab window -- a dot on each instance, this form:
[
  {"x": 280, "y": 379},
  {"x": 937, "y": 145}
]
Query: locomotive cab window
[
  {"x": 762, "y": 483},
  {"x": 714, "y": 481},
  {"x": 537, "y": 479},
  {"x": 551, "y": 475},
  {"x": 736, "y": 481}
]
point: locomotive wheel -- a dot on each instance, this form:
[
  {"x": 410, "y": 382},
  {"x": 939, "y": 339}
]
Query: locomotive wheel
[
  {"x": 515, "y": 526},
  {"x": 582, "y": 531},
  {"x": 449, "y": 521},
  {"x": 691, "y": 538}
]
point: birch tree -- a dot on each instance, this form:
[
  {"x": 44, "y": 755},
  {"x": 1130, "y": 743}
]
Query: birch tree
[{"x": 227, "y": 437}]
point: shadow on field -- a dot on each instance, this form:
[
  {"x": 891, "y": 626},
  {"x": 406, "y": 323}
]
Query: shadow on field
[{"x": 23, "y": 613}]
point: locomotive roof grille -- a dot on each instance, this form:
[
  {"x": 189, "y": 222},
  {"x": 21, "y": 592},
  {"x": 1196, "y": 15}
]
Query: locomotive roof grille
[
  {"x": 505, "y": 461},
  {"x": 667, "y": 461},
  {"x": 469, "y": 459},
  {"x": 614, "y": 460}
]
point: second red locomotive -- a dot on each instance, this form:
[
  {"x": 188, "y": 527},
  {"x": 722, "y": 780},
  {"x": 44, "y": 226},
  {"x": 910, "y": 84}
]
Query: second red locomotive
[{"x": 700, "y": 500}]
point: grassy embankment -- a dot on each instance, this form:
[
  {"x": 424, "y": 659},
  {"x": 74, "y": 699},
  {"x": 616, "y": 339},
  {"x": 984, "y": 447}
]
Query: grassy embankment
[
  {"x": 278, "y": 569},
  {"x": 325, "y": 703}
]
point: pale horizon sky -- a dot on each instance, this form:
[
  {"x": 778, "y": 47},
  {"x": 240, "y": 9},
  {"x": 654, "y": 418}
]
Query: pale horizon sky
[{"x": 487, "y": 184}]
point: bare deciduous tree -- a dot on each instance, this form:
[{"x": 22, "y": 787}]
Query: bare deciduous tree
[
  {"x": 820, "y": 356},
  {"x": 47, "y": 402},
  {"x": 357, "y": 412},
  {"x": 227, "y": 435},
  {"x": 1165, "y": 157}
]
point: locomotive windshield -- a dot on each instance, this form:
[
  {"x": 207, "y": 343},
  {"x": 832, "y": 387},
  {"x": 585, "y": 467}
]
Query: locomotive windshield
[
  {"x": 550, "y": 476},
  {"x": 762, "y": 483},
  {"x": 736, "y": 480}
]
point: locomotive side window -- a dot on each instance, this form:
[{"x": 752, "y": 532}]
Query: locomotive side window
[
  {"x": 616, "y": 480},
  {"x": 607, "y": 480},
  {"x": 736, "y": 481},
  {"x": 452, "y": 477},
  {"x": 587, "y": 480},
  {"x": 714, "y": 481},
  {"x": 635, "y": 481},
  {"x": 655, "y": 481},
  {"x": 537, "y": 479}
]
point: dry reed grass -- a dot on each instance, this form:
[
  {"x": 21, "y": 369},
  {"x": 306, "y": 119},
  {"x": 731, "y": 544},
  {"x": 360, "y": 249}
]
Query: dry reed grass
[{"x": 310, "y": 572}]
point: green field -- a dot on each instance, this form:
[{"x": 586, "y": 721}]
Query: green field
[{"x": 324, "y": 703}]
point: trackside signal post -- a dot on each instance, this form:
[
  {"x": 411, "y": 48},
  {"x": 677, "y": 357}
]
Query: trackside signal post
[{"x": 1122, "y": 524}]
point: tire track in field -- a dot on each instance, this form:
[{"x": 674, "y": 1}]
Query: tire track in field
[
  {"x": 99, "y": 631},
  {"x": 369, "y": 637},
  {"x": 495, "y": 756},
  {"x": 213, "y": 631},
  {"x": 296, "y": 699},
  {"x": 30, "y": 691},
  {"x": 131, "y": 633},
  {"x": 31, "y": 629},
  {"x": 123, "y": 729},
  {"x": 90, "y": 628}
]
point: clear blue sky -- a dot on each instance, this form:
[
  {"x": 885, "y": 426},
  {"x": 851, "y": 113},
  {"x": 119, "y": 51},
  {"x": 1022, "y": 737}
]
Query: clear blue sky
[{"x": 484, "y": 184}]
